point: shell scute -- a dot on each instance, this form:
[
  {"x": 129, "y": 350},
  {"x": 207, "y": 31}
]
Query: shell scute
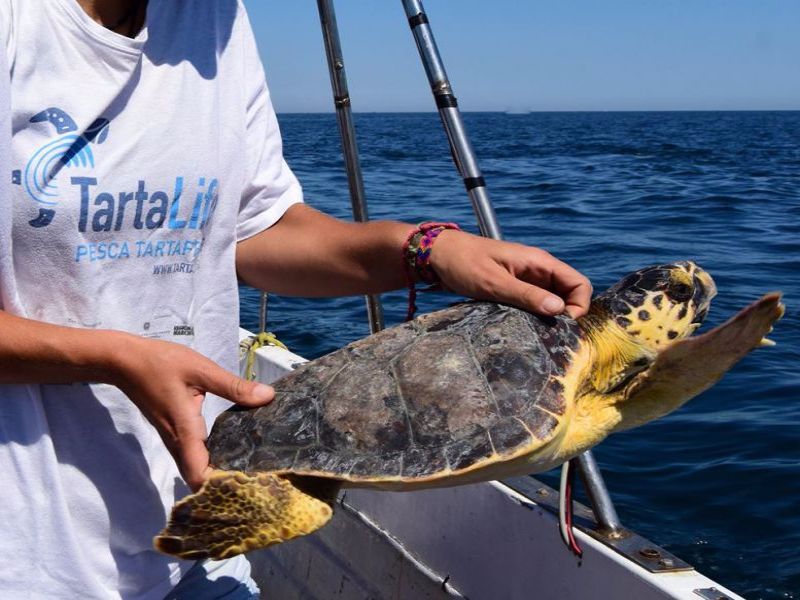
[
  {"x": 420, "y": 462},
  {"x": 509, "y": 434},
  {"x": 462, "y": 317},
  {"x": 384, "y": 346},
  {"x": 231, "y": 442},
  {"x": 541, "y": 423},
  {"x": 318, "y": 459},
  {"x": 361, "y": 411},
  {"x": 552, "y": 398},
  {"x": 266, "y": 458},
  {"x": 383, "y": 465},
  {"x": 466, "y": 452},
  {"x": 444, "y": 390},
  {"x": 513, "y": 360},
  {"x": 292, "y": 421},
  {"x": 314, "y": 376},
  {"x": 560, "y": 336}
]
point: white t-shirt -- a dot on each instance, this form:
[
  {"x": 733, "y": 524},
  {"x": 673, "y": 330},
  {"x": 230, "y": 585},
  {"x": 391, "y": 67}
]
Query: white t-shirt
[
  {"x": 5, "y": 170},
  {"x": 136, "y": 166}
]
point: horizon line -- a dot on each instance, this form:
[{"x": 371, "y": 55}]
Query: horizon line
[{"x": 528, "y": 112}]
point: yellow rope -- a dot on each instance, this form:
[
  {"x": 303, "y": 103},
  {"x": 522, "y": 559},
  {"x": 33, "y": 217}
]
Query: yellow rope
[{"x": 253, "y": 343}]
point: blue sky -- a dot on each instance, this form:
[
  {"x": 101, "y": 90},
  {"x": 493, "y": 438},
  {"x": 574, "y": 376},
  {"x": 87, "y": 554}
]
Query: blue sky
[{"x": 542, "y": 54}]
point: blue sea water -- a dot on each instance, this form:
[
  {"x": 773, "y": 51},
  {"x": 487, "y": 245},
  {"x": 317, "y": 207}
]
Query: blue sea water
[{"x": 717, "y": 482}]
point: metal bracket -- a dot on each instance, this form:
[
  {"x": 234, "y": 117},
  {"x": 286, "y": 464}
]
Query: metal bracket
[{"x": 627, "y": 543}]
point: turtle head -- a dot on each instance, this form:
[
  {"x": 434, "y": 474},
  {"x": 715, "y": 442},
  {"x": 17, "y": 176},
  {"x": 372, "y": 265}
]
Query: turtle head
[
  {"x": 660, "y": 304},
  {"x": 640, "y": 315},
  {"x": 627, "y": 327},
  {"x": 633, "y": 370}
]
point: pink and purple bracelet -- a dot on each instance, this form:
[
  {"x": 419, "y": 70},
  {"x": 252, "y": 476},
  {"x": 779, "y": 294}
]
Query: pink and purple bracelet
[{"x": 417, "y": 260}]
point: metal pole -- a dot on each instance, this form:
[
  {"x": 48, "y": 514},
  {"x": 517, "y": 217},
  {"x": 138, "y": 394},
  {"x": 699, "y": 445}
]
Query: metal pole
[
  {"x": 262, "y": 314},
  {"x": 598, "y": 494},
  {"x": 461, "y": 149},
  {"x": 467, "y": 165},
  {"x": 344, "y": 116}
]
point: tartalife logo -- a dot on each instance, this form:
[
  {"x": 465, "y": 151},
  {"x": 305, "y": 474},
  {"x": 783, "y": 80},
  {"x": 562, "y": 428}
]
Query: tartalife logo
[
  {"x": 61, "y": 176},
  {"x": 70, "y": 149}
]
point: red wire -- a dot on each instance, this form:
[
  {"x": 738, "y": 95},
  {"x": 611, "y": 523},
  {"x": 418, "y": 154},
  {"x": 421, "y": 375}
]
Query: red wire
[{"x": 574, "y": 547}]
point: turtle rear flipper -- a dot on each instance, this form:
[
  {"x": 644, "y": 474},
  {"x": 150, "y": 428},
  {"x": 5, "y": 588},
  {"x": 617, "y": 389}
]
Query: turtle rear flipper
[
  {"x": 235, "y": 512},
  {"x": 690, "y": 366}
]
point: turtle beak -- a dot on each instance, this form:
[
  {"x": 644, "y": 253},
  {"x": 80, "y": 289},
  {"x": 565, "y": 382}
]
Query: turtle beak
[{"x": 704, "y": 291}]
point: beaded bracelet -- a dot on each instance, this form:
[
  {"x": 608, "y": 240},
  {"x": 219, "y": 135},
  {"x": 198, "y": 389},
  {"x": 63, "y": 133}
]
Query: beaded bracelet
[{"x": 417, "y": 259}]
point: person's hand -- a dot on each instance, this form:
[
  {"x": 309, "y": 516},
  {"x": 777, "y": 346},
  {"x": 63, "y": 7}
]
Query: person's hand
[
  {"x": 523, "y": 276},
  {"x": 168, "y": 383}
]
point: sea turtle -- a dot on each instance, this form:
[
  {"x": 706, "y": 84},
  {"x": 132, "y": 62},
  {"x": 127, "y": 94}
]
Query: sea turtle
[{"x": 474, "y": 392}]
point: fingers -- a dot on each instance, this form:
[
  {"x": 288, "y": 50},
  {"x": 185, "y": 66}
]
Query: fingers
[
  {"x": 578, "y": 300},
  {"x": 186, "y": 434},
  {"x": 530, "y": 297},
  {"x": 191, "y": 452},
  {"x": 193, "y": 460},
  {"x": 542, "y": 270},
  {"x": 524, "y": 276},
  {"x": 573, "y": 287},
  {"x": 172, "y": 398},
  {"x": 185, "y": 438},
  {"x": 227, "y": 385}
]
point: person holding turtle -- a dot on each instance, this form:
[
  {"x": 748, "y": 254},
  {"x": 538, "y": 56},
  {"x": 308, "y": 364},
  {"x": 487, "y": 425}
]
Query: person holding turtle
[{"x": 146, "y": 175}]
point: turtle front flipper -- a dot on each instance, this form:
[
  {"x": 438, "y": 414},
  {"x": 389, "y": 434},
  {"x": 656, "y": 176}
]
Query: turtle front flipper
[
  {"x": 235, "y": 512},
  {"x": 690, "y": 366}
]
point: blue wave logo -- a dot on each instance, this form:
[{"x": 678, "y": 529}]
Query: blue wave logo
[{"x": 69, "y": 150}]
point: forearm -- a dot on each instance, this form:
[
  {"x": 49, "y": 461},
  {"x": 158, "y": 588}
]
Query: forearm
[
  {"x": 307, "y": 253},
  {"x": 339, "y": 259},
  {"x": 36, "y": 352}
]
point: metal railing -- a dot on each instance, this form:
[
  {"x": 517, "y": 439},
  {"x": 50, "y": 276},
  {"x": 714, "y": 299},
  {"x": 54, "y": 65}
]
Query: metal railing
[
  {"x": 344, "y": 116},
  {"x": 467, "y": 164}
]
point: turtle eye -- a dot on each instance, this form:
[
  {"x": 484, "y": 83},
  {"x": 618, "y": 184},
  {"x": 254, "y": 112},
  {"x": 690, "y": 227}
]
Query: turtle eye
[{"x": 679, "y": 291}]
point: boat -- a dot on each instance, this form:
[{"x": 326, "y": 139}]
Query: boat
[{"x": 499, "y": 540}]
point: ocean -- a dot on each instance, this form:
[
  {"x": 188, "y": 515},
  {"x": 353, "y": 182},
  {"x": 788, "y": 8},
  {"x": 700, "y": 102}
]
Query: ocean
[{"x": 717, "y": 482}]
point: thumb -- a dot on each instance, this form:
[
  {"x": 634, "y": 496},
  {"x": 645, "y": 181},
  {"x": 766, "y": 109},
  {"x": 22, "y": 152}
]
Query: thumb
[
  {"x": 530, "y": 297},
  {"x": 192, "y": 459},
  {"x": 227, "y": 385}
]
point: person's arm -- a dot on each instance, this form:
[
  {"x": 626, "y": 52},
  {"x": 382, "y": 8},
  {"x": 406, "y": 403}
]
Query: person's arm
[
  {"x": 166, "y": 381},
  {"x": 307, "y": 253}
]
